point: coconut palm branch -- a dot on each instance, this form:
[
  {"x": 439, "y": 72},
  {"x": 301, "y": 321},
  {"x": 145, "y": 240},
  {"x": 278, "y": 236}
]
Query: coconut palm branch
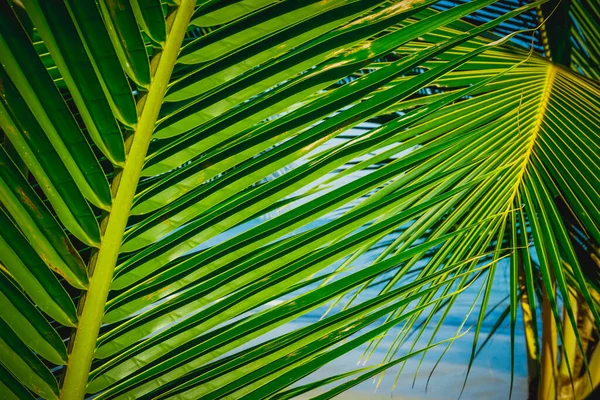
[{"x": 181, "y": 180}]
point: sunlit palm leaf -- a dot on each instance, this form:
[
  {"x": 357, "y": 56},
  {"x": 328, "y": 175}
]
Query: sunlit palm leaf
[{"x": 189, "y": 273}]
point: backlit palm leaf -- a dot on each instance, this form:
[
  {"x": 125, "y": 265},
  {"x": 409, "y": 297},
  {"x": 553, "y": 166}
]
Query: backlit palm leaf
[{"x": 196, "y": 175}]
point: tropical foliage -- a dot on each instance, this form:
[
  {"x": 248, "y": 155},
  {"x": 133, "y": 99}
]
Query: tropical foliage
[{"x": 180, "y": 179}]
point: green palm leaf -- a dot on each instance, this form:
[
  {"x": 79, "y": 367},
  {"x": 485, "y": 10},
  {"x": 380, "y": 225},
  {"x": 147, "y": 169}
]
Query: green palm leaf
[{"x": 197, "y": 175}]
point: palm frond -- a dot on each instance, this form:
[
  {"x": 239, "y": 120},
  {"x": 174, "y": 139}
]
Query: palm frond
[{"x": 196, "y": 175}]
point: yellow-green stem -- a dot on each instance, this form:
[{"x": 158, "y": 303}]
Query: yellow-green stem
[
  {"x": 566, "y": 369},
  {"x": 530, "y": 340},
  {"x": 84, "y": 345},
  {"x": 547, "y": 390}
]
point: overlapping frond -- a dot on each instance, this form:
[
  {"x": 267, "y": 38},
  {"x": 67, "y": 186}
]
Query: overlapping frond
[
  {"x": 281, "y": 143},
  {"x": 585, "y": 35}
]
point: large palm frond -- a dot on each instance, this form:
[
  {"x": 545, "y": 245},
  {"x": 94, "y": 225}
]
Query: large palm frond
[{"x": 181, "y": 180}]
